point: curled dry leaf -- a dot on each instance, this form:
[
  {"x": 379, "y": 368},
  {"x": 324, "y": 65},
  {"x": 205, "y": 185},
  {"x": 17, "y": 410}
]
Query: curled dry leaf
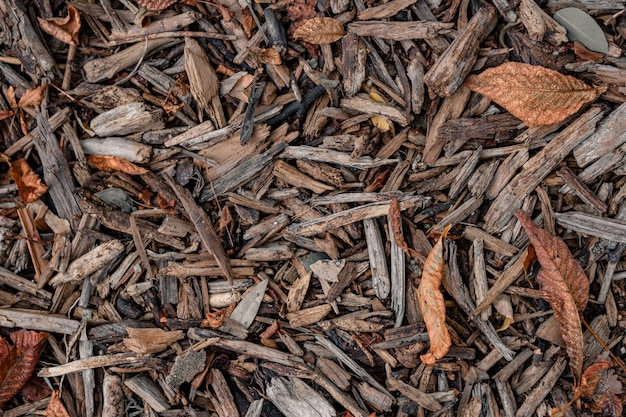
[
  {"x": 18, "y": 361},
  {"x": 590, "y": 378},
  {"x": 115, "y": 163},
  {"x": 55, "y": 406},
  {"x": 320, "y": 31},
  {"x": 536, "y": 95},
  {"x": 28, "y": 183},
  {"x": 563, "y": 283},
  {"x": 65, "y": 28},
  {"x": 432, "y": 304}
]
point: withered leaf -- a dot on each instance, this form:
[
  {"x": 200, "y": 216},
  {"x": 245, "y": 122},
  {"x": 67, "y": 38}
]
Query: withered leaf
[
  {"x": 301, "y": 9},
  {"x": 65, "y": 28},
  {"x": 591, "y": 376},
  {"x": 320, "y": 31},
  {"x": 5, "y": 114},
  {"x": 32, "y": 96},
  {"x": 18, "y": 361},
  {"x": 155, "y": 4},
  {"x": 563, "y": 283},
  {"x": 266, "y": 55},
  {"x": 28, "y": 183},
  {"x": 55, "y": 407},
  {"x": 432, "y": 304},
  {"x": 115, "y": 163},
  {"x": 536, "y": 95},
  {"x": 150, "y": 340}
]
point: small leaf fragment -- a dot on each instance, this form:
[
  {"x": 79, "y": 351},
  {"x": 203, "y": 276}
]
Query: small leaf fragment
[
  {"x": 536, "y": 95},
  {"x": 65, "y": 28},
  {"x": 320, "y": 31},
  {"x": 115, "y": 163},
  {"x": 432, "y": 304}
]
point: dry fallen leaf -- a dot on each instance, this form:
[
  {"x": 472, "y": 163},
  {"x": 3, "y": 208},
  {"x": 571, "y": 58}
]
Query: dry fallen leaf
[
  {"x": 564, "y": 284},
  {"x": 536, "y": 95},
  {"x": 55, "y": 407},
  {"x": 18, "y": 361},
  {"x": 432, "y": 304},
  {"x": 150, "y": 340},
  {"x": 266, "y": 55},
  {"x": 5, "y": 114},
  {"x": 32, "y": 96},
  {"x": 155, "y": 4},
  {"x": 590, "y": 377},
  {"x": 320, "y": 31},
  {"x": 115, "y": 163},
  {"x": 65, "y": 28},
  {"x": 28, "y": 183}
]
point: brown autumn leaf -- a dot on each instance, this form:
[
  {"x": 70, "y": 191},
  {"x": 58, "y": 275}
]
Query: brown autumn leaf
[
  {"x": 28, "y": 183},
  {"x": 432, "y": 304},
  {"x": 301, "y": 9},
  {"x": 18, "y": 361},
  {"x": 590, "y": 378},
  {"x": 266, "y": 55},
  {"x": 32, "y": 96},
  {"x": 563, "y": 284},
  {"x": 55, "y": 407},
  {"x": 155, "y": 4},
  {"x": 115, "y": 163},
  {"x": 5, "y": 114},
  {"x": 65, "y": 28},
  {"x": 320, "y": 31},
  {"x": 536, "y": 95},
  {"x": 396, "y": 227}
]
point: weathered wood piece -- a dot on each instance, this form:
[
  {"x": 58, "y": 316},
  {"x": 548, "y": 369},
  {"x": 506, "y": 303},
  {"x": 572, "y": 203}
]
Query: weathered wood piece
[
  {"x": 449, "y": 71},
  {"x": 537, "y": 168},
  {"x": 203, "y": 225}
]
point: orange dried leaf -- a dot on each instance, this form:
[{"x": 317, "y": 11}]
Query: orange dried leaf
[
  {"x": 55, "y": 407},
  {"x": 320, "y": 31},
  {"x": 395, "y": 220},
  {"x": 536, "y": 95},
  {"x": 301, "y": 9},
  {"x": 432, "y": 304},
  {"x": 5, "y": 114},
  {"x": 590, "y": 377},
  {"x": 266, "y": 55},
  {"x": 155, "y": 4},
  {"x": 32, "y": 96},
  {"x": 563, "y": 284},
  {"x": 18, "y": 362},
  {"x": 28, "y": 183},
  {"x": 65, "y": 28},
  {"x": 10, "y": 95},
  {"x": 115, "y": 163}
]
